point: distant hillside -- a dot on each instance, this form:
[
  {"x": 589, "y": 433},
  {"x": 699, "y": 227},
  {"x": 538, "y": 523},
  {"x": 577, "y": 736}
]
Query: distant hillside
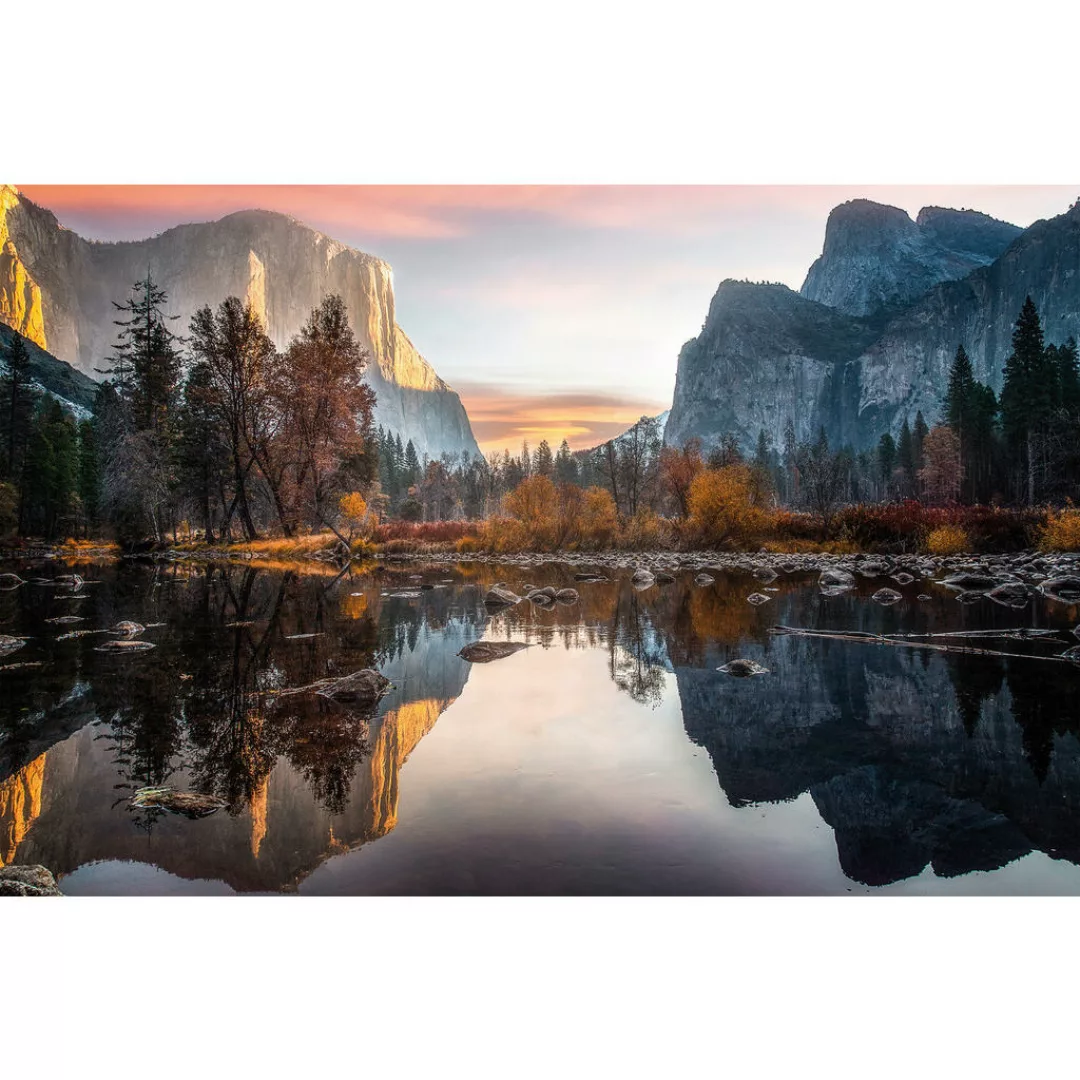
[{"x": 71, "y": 387}]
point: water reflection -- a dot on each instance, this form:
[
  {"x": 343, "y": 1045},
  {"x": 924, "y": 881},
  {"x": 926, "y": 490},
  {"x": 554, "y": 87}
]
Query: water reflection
[{"x": 913, "y": 758}]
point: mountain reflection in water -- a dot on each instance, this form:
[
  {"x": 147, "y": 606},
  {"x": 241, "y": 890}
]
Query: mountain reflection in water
[{"x": 611, "y": 756}]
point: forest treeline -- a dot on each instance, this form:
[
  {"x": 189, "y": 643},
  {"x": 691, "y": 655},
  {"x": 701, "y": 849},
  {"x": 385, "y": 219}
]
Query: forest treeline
[{"x": 217, "y": 433}]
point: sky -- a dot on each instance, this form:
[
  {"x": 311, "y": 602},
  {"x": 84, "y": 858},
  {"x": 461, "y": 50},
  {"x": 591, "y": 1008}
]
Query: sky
[{"x": 555, "y": 311}]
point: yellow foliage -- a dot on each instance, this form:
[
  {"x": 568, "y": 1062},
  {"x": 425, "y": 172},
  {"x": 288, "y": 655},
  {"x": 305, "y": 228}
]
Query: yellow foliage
[
  {"x": 1062, "y": 531},
  {"x": 948, "y": 540},
  {"x": 725, "y": 508},
  {"x": 355, "y": 514},
  {"x": 599, "y": 519},
  {"x": 646, "y": 531}
]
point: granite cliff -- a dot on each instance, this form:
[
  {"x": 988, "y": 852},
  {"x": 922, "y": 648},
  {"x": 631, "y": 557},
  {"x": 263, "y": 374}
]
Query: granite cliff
[
  {"x": 869, "y": 341},
  {"x": 57, "y": 290}
]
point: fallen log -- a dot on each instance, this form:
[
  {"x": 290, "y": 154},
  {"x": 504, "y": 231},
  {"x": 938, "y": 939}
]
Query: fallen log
[{"x": 863, "y": 637}]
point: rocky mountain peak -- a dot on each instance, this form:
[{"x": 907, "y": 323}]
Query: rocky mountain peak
[
  {"x": 876, "y": 259},
  {"x": 57, "y": 289}
]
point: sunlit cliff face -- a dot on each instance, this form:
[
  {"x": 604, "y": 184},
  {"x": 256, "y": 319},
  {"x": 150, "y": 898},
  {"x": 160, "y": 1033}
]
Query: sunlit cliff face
[{"x": 20, "y": 806}]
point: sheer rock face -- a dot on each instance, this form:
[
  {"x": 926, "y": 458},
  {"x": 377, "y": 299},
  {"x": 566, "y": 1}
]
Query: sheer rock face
[
  {"x": 876, "y": 257},
  {"x": 64, "y": 382},
  {"x": 767, "y": 355},
  {"x": 283, "y": 267},
  {"x": 764, "y": 356}
]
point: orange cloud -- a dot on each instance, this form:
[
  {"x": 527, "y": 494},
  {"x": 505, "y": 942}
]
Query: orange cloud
[{"x": 501, "y": 420}]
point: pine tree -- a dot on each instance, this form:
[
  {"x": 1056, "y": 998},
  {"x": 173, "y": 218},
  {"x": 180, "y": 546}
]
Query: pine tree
[
  {"x": 886, "y": 455},
  {"x": 544, "y": 462},
  {"x": 19, "y": 398},
  {"x": 1027, "y": 395},
  {"x": 905, "y": 457},
  {"x": 89, "y": 482},
  {"x": 957, "y": 402},
  {"x": 412, "y": 466}
]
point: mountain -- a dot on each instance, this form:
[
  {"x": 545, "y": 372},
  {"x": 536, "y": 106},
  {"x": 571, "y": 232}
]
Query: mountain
[
  {"x": 869, "y": 341},
  {"x": 876, "y": 257},
  {"x": 71, "y": 387},
  {"x": 57, "y": 289}
]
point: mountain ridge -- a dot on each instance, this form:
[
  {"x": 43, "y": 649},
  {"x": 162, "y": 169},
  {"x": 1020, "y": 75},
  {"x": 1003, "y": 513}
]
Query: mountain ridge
[{"x": 281, "y": 265}]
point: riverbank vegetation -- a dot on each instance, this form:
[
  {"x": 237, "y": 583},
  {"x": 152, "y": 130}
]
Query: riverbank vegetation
[{"x": 219, "y": 440}]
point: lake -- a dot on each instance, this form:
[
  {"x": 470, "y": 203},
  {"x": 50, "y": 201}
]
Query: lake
[{"x": 611, "y": 756}]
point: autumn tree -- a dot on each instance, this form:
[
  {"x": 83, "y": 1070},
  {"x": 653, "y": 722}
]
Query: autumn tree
[
  {"x": 942, "y": 469},
  {"x": 678, "y": 467},
  {"x": 324, "y": 442},
  {"x": 234, "y": 362}
]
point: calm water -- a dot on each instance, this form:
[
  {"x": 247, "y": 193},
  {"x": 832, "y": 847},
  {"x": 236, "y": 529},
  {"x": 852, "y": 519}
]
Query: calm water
[{"x": 609, "y": 757}]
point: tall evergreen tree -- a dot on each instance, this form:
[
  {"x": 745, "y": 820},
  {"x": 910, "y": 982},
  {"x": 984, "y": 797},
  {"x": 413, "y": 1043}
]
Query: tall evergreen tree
[
  {"x": 956, "y": 406},
  {"x": 1027, "y": 397},
  {"x": 886, "y": 455},
  {"x": 905, "y": 458},
  {"x": 19, "y": 400}
]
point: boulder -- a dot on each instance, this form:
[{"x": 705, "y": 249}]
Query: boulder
[
  {"x": 30, "y": 880},
  {"x": 483, "y": 652},
  {"x": 128, "y": 628},
  {"x": 497, "y": 596},
  {"x": 757, "y": 599},
  {"x": 1065, "y": 590},
  {"x": 189, "y": 804},
  {"x": 9, "y": 644},
  {"x": 664, "y": 578},
  {"x": 743, "y": 668},
  {"x": 970, "y": 582},
  {"x": 704, "y": 579},
  {"x": 363, "y": 687},
  {"x": 1012, "y": 594},
  {"x": 642, "y": 579},
  {"x": 835, "y": 578},
  {"x": 10, "y": 581},
  {"x": 567, "y": 596},
  {"x": 886, "y": 596},
  {"x": 124, "y": 645}
]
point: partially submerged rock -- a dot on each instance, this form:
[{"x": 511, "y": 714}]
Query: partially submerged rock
[
  {"x": 757, "y": 599},
  {"x": 1065, "y": 590},
  {"x": 704, "y": 579},
  {"x": 742, "y": 668},
  {"x": 642, "y": 579},
  {"x": 363, "y": 687},
  {"x": 189, "y": 804},
  {"x": 590, "y": 577},
  {"x": 663, "y": 577},
  {"x": 1012, "y": 594},
  {"x": 497, "y": 596},
  {"x": 30, "y": 880},
  {"x": 567, "y": 596},
  {"x": 10, "y": 581},
  {"x": 128, "y": 628},
  {"x": 9, "y": 644},
  {"x": 886, "y": 596},
  {"x": 970, "y": 582},
  {"x": 124, "y": 645},
  {"x": 482, "y": 652},
  {"x": 835, "y": 578}
]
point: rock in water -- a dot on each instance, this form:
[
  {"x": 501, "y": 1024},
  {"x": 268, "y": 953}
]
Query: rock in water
[
  {"x": 497, "y": 596},
  {"x": 835, "y": 578},
  {"x": 886, "y": 596},
  {"x": 663, "y": 577},
  {"x": 9, "y": 644},
  {"x": 364, "y": 687},
  {"x": 970, "y": 582},
  {"x": 704, "y": 579},
  {"x": 31, "y": 880},
  {"x": 189, "y": 804},
  {"x": 1012, "y": 594},
  {"x": 124, "y": 645},
  {"x": 483, "y": 652},
  {"x": 757, "y": 599},
  {"x": 590, "y": 577},
  {"x": 642, "y": 579},
  {"x": 1065, "y": 590},
  {"x": 128, "y": 629},
  {"x": 903, "y": 578},
  {"x": 743, "y": 668},
  {"x": 567, "y": 596},
  {"x": 10, "y": 581}
]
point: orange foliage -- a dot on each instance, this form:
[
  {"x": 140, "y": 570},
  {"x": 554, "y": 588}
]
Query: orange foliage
[{"x": 725, "y": 507}]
